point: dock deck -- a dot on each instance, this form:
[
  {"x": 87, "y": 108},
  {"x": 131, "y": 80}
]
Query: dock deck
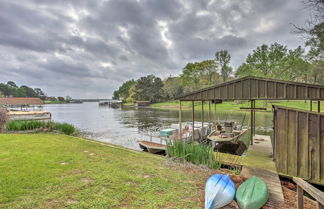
[{"x": 259, "y": 163}]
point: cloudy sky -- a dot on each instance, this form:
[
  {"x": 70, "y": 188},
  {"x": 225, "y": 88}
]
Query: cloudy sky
[{"x": 87, "y": 48}]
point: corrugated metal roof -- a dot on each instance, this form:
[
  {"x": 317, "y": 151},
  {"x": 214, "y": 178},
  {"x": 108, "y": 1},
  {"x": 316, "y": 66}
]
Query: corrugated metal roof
[
  {"x": 20, "y": 101},
  {"x": 256, "y": 88}
]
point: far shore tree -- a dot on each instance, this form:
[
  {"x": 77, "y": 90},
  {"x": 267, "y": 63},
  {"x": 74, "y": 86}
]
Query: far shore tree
[{"x": 222, "y": 59}]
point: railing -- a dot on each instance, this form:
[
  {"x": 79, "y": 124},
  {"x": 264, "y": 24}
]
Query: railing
[{"x": 311, "y": 190}]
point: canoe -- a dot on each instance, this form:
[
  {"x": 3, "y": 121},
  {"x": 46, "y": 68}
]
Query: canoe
[
  {"x": 252, "y": 194},
  {"x": 219, "y": 191}
]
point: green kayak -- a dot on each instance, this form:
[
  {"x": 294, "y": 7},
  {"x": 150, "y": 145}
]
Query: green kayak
[{"x": 252, "y": 194}]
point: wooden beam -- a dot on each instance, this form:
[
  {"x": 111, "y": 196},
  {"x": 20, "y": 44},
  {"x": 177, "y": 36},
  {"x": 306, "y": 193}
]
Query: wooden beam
[
  {"x": 318, "y": 106},
  {"x": 300, "y": 198},
  {"x": 180, "y": 119},
  {"x": 193, "y": 120},
  {"x": 251, "y": 125},
  {"x": 311, "y": 105},
  {"x": 202, "y": 120},
  {"x": 209, "y": 110},
  {"x": 256, "y": 108},
  {"x": 310, "y": 189}
]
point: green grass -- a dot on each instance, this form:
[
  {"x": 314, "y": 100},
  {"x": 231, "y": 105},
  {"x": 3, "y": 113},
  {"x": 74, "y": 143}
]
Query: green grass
[
  {"x": 25, "y": 125},
  {"x": 235, "y": 106},
  {"x": 198, "y": 154},
  {"x": 60, "y": 171}
]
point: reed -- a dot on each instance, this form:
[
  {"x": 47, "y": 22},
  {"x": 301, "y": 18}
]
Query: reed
[
  {"x": 65, "y": 128},
  {"x": 198, "y": 154},
  {"x": 24, "y": 125}
]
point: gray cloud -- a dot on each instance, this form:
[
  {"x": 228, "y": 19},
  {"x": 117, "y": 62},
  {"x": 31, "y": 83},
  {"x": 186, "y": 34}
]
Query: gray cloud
[{"x": 88, "y": 48}]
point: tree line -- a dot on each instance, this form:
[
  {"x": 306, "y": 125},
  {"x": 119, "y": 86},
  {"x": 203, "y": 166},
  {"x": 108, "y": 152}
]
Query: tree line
[
  {"x": 269, "y": 61},
  {"x": 11, "y": 89}
]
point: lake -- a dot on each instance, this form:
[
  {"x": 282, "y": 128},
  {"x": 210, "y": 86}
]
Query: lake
[{"x": 126, "y": 126}]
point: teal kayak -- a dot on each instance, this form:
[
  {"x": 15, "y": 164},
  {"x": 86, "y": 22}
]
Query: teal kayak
[{"x": 252, "y": 194}]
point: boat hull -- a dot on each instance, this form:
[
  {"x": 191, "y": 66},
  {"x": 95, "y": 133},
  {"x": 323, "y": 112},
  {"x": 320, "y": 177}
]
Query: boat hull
[
  {"x": 219, "y": 191},
  {"x": 252, "y": 194}
]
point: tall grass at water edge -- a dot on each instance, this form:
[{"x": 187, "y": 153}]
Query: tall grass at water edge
[
  {"x": 25, "y": 125},
  {"x": 198, "y": 154}
]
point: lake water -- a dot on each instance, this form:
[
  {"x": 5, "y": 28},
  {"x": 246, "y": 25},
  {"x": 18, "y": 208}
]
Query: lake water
[{"x": 126, "y": 126}]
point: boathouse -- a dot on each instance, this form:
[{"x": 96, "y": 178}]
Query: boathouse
[
  {"x": 298, "y": 141},
  {"x": 11, "y": 103},
  {"x": 20, "y": 101}
]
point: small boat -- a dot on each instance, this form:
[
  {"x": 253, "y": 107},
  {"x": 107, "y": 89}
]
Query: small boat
[
  {"x": 152, "y": 147},
  {"x": 252, "y": 194},
  {"x": 222, "y": 136},
  {"x": 219, "y": 191}
]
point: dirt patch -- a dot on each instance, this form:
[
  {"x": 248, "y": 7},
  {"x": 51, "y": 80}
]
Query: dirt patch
[
  {"x": 54, "y": 203},
  {"x": 72, "y": 201},
  {"x": 86, "y": 179}
]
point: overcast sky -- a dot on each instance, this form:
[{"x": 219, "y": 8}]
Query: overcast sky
[{"x": 87, "y": 48}]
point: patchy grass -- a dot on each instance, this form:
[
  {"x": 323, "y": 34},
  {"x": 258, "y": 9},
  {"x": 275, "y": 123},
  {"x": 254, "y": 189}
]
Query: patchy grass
[
  {"x": 57, "y": 171},
  {"x": 235, "y": 106}
]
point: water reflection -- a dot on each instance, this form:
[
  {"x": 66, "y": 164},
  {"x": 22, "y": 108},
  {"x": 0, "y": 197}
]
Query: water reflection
[{"x": 125, "y": 126}]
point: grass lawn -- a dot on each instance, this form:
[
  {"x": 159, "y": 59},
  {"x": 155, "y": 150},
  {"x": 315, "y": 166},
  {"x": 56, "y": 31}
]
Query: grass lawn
[
  {"x": 57, "y": 171},
  {"x": 225, "y": 106}
]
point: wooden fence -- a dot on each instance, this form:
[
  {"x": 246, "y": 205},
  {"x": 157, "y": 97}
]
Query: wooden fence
[{"x": 299, "y": 143}]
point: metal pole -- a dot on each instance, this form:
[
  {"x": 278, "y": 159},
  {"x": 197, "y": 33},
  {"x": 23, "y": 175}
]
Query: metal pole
[
  {"x": 202, "y": 120},
  {"x": 251, "y": 126},
  {"x": 193, "y": 120},
  {"x": 319, "y": 106},
  {"x": 180, "y": 120},
  {"x": 311, "y": 105}
]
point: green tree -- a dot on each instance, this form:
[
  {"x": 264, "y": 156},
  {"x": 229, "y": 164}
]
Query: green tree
[
  {"x": 149, "y": 88},
  {"x": 123, "y": 90},
  {"x": 172, "y": 87},
  {"x": 191, "y": 75},
  {"x": 222, "y": 59}
]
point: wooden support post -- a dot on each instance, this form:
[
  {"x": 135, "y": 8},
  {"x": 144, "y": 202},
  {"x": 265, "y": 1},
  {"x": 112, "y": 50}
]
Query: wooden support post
[
  {"x": 311, "y": 105},
  {"x": 193, "y": 120},
  {"x": 318, "y": 106},
  {"x": 300, "y": 197},
  {"x": 202, "y": 120},
  {"x": 180, "y": 120},
  {"x": 253, "y": 117},
  {"x": 215, "y": 112},
  {"x": 251, "y": 125},
  {"x": 209, "y": 119}
]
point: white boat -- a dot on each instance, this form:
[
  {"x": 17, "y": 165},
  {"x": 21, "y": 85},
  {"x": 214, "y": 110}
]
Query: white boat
[{"x": 219, "y": 191}]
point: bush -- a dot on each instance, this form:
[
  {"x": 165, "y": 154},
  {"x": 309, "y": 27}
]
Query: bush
[
  {"x": 3, "y": 118},
  {"x": 65, "y": 128},
  {"x": 198, "y": 154}
]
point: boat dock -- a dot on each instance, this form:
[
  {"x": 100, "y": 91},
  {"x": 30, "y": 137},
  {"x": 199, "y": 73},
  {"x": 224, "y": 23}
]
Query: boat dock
[{"x": 258, "y": 162}]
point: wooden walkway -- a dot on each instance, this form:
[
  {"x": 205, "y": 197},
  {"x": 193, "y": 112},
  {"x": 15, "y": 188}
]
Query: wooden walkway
[{"x": 259, "y": 163}]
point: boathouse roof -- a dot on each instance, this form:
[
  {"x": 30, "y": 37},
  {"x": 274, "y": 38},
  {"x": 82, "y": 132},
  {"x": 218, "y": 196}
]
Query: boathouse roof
[
  {"x": 257, "y": 88},
  {"x": 20, "y": 101}
]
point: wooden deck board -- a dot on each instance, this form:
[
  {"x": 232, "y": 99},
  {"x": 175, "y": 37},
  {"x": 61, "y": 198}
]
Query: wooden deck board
[{"x": 259, "y": 163}]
